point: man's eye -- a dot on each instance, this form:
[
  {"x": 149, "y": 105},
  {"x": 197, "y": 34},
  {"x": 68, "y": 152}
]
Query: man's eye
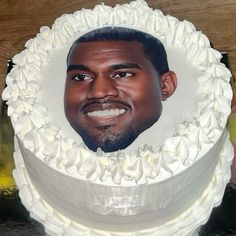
[
  {"x": 81, "y": 77},
  {"x": 123, "y": 74}
]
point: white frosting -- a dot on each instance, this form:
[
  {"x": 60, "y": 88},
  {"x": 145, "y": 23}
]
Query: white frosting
[{"x": 43, "y": 143}]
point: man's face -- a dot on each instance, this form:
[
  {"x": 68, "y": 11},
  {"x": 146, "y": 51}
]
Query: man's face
[{"x": 112, "y": 93}]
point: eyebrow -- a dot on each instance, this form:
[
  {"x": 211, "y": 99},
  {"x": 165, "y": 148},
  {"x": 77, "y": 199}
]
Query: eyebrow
[
  {"x": 77, "y": 67},
  {"x": 114, "y": 67},
  {"x": 124, "y": 65}
]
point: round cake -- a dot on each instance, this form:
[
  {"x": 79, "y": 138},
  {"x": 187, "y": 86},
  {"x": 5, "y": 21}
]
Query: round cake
[{"x": 119, "y": 116}]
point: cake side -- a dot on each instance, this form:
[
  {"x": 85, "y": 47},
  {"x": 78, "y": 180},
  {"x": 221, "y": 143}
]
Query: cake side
[
  {"x": 122, "y": 207},
  {"x": 185, "y": 224}
]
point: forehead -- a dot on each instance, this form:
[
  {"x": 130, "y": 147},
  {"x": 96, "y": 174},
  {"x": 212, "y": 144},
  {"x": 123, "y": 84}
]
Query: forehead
[{"x": 125, "y": 50}]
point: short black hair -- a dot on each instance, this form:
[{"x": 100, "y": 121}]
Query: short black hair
[{"x": 153, "y": 48}]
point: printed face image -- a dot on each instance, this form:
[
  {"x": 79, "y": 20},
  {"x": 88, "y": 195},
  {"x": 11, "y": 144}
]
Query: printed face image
[{"x": 113, "y": 92}]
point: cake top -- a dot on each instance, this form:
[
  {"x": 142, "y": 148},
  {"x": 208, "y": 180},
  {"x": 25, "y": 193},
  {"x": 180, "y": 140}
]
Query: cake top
[{"x": 42, "y": 135}]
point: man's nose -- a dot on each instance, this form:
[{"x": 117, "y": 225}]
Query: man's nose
[{"x": 102, "y": 87}]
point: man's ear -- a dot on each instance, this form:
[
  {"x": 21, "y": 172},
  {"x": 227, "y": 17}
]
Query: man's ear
[{"x": 168, "y": 84}]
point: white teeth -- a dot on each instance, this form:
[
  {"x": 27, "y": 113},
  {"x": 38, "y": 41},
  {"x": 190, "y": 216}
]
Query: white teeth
[
  {"x": 121, "y": 111},
  {"x": 111, "y": 112}
]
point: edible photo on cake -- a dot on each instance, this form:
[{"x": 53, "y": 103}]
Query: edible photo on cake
[{"x": 116, "y": 81}]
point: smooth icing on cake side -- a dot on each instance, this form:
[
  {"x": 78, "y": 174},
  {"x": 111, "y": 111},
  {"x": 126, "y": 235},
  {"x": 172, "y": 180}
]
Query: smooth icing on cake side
[{"x": 165, "y": 189}]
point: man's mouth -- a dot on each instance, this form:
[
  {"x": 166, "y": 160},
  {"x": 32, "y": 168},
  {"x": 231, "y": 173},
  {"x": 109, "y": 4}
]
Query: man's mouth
[{"x": 106, "y": 113}]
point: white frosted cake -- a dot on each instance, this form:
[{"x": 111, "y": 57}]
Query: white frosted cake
[{"x": 167, "y": 181}]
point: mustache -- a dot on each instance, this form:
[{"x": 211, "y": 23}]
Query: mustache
[{"x": 105, "y": 101}]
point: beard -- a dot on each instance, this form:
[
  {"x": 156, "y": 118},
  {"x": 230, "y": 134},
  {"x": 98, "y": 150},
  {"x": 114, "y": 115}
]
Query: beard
[{"x": 108, "y": 140}]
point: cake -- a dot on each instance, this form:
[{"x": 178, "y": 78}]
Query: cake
[{"x": 167, "y": 181}]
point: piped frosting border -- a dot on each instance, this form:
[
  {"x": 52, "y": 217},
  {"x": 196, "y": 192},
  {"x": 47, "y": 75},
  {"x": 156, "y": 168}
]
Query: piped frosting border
[{"x": 42, "y": 137}]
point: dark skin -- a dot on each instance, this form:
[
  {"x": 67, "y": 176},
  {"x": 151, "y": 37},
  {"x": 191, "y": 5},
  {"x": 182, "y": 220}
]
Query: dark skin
[{"x": 113, "y": 93}]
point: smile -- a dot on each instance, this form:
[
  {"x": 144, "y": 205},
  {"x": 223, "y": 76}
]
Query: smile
[{"x": 107, "y": 113}]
